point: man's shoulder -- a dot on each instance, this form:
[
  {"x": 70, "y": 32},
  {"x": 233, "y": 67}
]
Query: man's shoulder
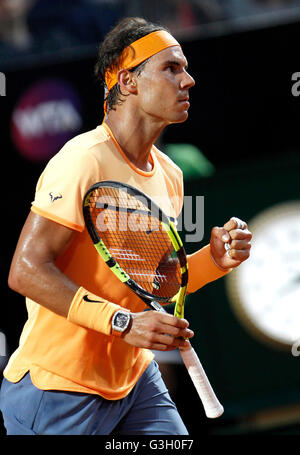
[
  {"x": 88, "y": 139},
  {"x": 81, "y": 147}
]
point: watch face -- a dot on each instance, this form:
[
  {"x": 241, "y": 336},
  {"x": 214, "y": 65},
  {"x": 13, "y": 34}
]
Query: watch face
[
  {"x": 121, "y": 321},
  {"x": 265, "y": 289}
]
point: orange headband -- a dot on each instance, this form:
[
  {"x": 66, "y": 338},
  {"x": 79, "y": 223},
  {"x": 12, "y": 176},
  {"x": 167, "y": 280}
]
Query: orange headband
[{"x": 138, "y": 51}]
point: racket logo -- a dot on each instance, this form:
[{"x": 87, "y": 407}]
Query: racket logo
[{"x": 126, "y": 255}]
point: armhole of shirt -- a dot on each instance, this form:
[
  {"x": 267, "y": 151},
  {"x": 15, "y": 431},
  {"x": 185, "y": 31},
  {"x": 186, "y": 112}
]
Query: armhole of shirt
[{"x": 57, "y": 219}]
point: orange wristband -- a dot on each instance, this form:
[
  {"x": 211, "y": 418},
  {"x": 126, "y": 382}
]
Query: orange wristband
[
  {"x": 203, "y": 269},
  {"x": 92, "y": 312}
]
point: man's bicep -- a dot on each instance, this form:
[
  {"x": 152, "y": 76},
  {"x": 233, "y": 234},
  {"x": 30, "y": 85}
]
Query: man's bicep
[{"x": 41, "y": 241}]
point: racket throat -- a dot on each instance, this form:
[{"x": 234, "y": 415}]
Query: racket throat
[{"x": 179, "y": 305}]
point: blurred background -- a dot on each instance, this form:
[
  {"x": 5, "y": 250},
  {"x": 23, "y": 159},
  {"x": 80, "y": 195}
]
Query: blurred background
[{"x": 239, "y": 149}]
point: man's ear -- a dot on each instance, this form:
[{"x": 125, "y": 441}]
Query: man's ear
[{"x": 127, "y": 81}]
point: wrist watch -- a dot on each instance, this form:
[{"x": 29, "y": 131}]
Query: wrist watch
[{"x": 120, "y": 322}]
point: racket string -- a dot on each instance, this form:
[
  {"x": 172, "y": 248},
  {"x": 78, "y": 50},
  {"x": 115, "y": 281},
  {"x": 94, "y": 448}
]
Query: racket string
[{"x": 137, "y": 240}]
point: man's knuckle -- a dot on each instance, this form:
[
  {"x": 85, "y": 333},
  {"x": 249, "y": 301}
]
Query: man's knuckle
[
  {"x": 151, "y": 337},
  {"x": 233, "y": 234},
  {"x": 234, "y": 244}
]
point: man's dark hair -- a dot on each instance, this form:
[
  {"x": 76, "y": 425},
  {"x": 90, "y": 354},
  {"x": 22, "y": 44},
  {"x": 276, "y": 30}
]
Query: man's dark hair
[{"x": 122, "y": 35}]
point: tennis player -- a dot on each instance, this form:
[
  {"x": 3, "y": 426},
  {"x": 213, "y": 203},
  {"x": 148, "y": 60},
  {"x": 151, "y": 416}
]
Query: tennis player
[{"x": 84, "y": 364}]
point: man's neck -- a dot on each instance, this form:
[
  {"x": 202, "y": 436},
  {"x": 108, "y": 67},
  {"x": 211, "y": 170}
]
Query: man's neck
[{"x": 135, "y": 137}]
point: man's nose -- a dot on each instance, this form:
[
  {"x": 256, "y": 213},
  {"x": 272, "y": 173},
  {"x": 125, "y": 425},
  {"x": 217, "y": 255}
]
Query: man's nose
[{"x": 187, "y": 81}]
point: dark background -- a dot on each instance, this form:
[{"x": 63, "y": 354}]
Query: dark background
[{"x": 245, "y": 120}]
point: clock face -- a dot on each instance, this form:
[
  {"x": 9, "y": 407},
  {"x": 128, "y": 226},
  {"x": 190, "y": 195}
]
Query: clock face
[{"x": 265, "y": 289}]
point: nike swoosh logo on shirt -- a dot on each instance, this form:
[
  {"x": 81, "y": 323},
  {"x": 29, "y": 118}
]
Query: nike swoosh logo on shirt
[{"x": 86, "y": 299}]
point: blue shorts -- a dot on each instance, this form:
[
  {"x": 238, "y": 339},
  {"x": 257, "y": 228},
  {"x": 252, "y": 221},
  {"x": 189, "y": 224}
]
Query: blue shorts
[{"x": 147, "y": 410}]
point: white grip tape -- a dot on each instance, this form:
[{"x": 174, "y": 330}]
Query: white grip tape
[{"x": 211, "y": 404}]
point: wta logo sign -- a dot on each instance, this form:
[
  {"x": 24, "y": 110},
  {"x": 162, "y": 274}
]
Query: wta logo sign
[{"x": 46, "y": 116}]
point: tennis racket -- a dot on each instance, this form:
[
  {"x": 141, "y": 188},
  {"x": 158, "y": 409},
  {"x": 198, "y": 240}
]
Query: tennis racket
[{"x": 143, "y": 249}]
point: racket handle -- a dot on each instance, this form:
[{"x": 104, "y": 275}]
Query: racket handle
[{"x": 211, "y": 404}]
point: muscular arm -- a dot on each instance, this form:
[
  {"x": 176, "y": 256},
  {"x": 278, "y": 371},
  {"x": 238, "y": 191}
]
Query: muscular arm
[{"x": 33, "y": 272}]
